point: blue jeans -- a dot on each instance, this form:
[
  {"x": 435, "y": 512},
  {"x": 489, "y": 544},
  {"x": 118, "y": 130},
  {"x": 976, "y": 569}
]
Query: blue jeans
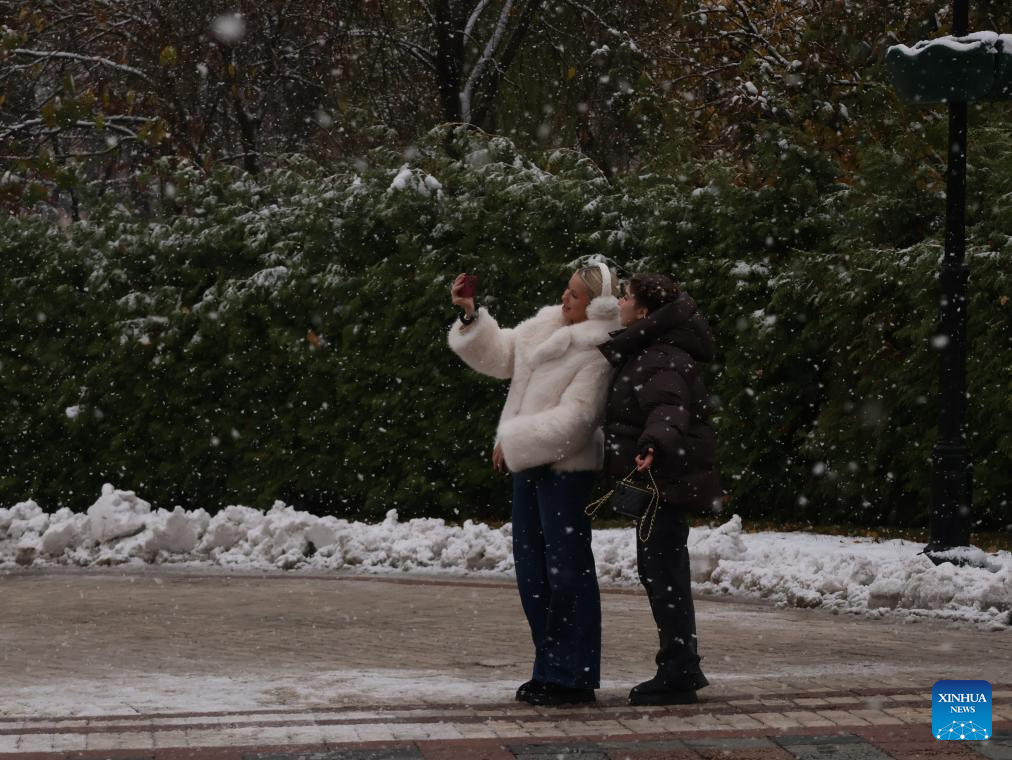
[{"x": 556, "y": 576}]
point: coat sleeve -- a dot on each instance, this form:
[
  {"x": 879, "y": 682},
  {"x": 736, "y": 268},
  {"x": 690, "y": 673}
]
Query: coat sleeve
[
  {"x": 485, "y": 347},
  {"x": 562, "y": 430},
  {"x": 666, "y": 401}
]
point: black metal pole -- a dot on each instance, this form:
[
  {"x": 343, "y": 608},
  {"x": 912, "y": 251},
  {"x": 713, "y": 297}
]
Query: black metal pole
[{"x": 952, "y": 477}]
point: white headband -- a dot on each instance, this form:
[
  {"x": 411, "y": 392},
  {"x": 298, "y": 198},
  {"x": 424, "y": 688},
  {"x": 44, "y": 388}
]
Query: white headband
[{"x": 605, "y": 279}]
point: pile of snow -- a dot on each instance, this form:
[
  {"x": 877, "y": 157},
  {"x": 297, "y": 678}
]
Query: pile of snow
[
  {"x": 854, "y": 575},
  {"x": 122, "y": 528}
]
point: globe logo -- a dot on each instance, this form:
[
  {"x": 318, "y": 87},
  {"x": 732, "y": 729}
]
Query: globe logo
[
  {"x": 962, "y": 730},
  {"x": 961, "y": 711}
]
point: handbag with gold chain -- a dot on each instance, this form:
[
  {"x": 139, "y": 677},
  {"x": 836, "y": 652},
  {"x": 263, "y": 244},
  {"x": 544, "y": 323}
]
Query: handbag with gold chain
[{"x": 632, "y": 499}]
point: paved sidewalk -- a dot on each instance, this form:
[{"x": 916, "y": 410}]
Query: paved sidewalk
[{"x": 172, "y": 663}]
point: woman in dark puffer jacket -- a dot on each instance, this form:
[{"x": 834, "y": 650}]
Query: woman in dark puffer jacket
[{"x": 658, "y": 419}]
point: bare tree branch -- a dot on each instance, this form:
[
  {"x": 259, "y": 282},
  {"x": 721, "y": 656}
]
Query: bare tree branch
[
  {"x": 757, "y": 35},
  {"x": 423, "y": 56},
  {"x": 59, "y": 55},
  {"x": 478, "y": 70},
  {"x": 469, "y": 26}
]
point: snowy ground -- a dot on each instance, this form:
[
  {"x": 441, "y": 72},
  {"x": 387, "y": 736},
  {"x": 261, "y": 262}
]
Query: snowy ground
[
  {"x": 144, "y": 692},
  {"x": 854, "y": 575}
]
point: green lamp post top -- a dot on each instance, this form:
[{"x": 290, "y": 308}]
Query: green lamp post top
[{"x": 951, "y": 69}]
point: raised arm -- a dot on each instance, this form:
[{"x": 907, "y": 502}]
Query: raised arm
[
  {"x": 484, "y": 346},
  {"x": 477, "y": 337}
]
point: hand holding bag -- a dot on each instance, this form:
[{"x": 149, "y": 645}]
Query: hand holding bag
[{"x": 632, "y": 499}]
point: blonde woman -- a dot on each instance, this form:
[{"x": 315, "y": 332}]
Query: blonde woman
[{"x": 549, "y": 439}]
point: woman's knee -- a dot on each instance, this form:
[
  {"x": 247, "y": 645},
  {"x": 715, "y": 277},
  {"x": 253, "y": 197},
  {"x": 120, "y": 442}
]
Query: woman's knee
[{"x": 572, "y": 578}]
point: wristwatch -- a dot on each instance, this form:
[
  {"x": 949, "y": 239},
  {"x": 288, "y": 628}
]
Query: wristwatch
[{"x": 466, "y": 320}]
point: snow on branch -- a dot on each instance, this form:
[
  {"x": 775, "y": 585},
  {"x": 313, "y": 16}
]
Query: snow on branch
[
  {"x": 753, "y": 31},
  {"x": 55, "y": 54},
  {"x": 426, "y": 57},
  {"x": 623, "y": 34},
  {"x": 478, "y": 70},
  {"x": 475, "y": 14},
  {"x": 113, "y": 123}
]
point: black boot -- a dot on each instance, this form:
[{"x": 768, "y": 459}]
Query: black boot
[
  {"x": 552, "y": 694},
  {"x": 661, "y": 690},
  {"x": 528, "y": 688}
]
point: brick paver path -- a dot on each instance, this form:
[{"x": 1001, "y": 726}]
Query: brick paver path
[{"x": 169, "y": 662}]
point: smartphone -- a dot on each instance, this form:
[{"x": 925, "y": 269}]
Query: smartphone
[{"x": 469, "y": 288}]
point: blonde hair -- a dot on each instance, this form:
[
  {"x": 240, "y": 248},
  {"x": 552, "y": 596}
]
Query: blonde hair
[{"x": 594, "y": 280}]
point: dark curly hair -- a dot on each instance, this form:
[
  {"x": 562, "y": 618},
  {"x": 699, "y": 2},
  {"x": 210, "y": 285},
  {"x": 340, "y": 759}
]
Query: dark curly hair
[{"x": 651, "y": 290}]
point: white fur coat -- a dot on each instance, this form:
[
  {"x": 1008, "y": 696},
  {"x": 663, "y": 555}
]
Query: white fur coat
[{"x": 555, "y": 404}]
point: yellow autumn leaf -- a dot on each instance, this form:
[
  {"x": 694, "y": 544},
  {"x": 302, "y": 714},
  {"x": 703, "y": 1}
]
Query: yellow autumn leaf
[
  {"x": 168, "y": 56},
  {"x": 571, "y": 72},
  {"x": 49, "y": 114},
  {"x": 152, "y": 133}
]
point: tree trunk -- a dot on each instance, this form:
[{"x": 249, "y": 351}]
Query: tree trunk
[
  {"x": 484, "y": 112},
  {"x": 449, "y": 54}
]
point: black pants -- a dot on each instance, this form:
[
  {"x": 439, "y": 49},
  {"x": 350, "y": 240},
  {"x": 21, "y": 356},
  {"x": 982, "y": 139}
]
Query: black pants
[{"x": 663, "y": 565}]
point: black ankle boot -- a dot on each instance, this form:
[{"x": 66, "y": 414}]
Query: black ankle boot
[
  {"x": 552, "y": 694},
  {"x": 528, "y": 688},
  {"x": 662, "y": 690}
]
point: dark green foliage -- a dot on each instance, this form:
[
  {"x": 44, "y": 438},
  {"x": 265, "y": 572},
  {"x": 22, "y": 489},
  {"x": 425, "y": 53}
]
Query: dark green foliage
[{"x": 284, "y": 337}]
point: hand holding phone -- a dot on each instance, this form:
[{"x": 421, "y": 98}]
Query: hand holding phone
[
  {"x": 469, "y": 286},
  {"x": 463, "y": 291}
]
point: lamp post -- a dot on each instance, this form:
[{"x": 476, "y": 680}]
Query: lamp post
[
  {"x": 956, "y": 70},
  {"x": 952, "y": 470}
]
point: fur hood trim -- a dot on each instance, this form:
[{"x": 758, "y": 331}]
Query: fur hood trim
[{"x": 581, "y": 336}]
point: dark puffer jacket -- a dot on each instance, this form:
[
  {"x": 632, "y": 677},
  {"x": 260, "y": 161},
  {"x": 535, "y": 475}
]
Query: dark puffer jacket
[{"x": 657, "y": 400}]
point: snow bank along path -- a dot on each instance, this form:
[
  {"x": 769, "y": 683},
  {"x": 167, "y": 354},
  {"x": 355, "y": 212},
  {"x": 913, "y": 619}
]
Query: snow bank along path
[{"x": 854, "y": 575}]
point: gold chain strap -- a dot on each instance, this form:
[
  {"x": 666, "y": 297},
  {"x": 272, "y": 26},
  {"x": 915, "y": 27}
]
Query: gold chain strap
[
  {"x": 655, "y": 502},
  {"x": 591, "y": 509}
]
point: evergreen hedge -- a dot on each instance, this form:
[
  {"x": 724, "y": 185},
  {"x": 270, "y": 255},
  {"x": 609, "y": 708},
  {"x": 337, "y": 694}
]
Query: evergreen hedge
[{"x": 284, "y": 337}]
